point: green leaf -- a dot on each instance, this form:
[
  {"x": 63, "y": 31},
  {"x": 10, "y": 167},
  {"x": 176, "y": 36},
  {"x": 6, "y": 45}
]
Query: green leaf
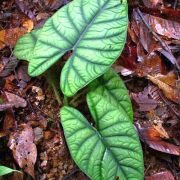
[
  {"x": 95, "y": 30},
  {"x": 112, "y": 150},
  {"x": 111, "y": 87},
  {"x": 5, "y": 170},
  {"x": 25, "y": 45}
]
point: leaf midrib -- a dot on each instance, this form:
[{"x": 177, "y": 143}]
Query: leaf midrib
[
  {"x": 71, "y": 60},
  {"x": 88, "y": 26}
]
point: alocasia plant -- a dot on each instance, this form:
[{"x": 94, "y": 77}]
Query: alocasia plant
[
  {"x": 95, "y": 32},
  {"x": 6, "y": 170},
  {"x": 112, "y": 149}
]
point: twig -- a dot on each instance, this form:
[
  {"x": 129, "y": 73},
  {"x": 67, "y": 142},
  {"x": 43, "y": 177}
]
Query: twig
[
  {"x": 163, "y": 44},
  {"x": 168, "y": 104},
  {"x": 175, "y": 4}
]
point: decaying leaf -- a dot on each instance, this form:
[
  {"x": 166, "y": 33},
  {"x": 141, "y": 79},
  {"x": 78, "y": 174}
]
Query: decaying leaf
[
  {"x": 154, "y": 139},
  {"x": 167, "y": 28},
  {"x": 9, "y": 67},
  {"x": 8, "y": 37},
  {"x": 23, "y": 148},
  {"x": 9, "y": 120},
  {"x": 152, "y": 3},
  {"x": 144, "y": 102},
  {"x": 151, "y": 64},
  {"x": 170, "y": 92},
  {"x": 5, "y": 106},
  {"x": 40, "y": 95},
  {"x": 148, "y": 42},
  {"x": 166, "y": 175},
  {"x": 15, "y": 100}
]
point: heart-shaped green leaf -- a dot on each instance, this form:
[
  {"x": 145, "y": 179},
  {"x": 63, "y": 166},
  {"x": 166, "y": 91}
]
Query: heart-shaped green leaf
[
  {"x": 25, "y": 46},
  {"x": 111, "y": 87},
  {"x": 95, "y": 32},
  {"x": 112, "y": 150}
]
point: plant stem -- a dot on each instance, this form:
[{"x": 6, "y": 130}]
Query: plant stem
[
  {"x": 53, "y": 83},
  {"x": 65, "y": 101}
]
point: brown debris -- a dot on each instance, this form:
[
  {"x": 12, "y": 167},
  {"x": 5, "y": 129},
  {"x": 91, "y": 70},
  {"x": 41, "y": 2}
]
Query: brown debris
[{"x": 21, "y": 142}]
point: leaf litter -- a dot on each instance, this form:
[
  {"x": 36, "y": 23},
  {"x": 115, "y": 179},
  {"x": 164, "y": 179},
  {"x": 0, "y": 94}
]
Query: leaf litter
[{"x": 149, "y": 66}]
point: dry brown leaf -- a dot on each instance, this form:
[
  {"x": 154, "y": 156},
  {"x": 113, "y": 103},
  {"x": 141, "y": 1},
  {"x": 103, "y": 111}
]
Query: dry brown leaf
[
  {"x": 167, "y": 28},
  {"x": 154, "y": 139},
  {"x": 21, "y": 142},
  {"x": 151, "y": 64},
  {"x": 160, "y": 129},
  {"x": 15, "y": 100},
  {"x": 169, "y": 91},
  {"x": 166, "y": 175},
  {"x": 152, "y": 3},
  {"x": 9, "y": 37},
  {"x": 9, "y": 120},
  {"x": 144, "y": 102},
  {"x": 169, "y": 78},
  {"x": 148, "y": 42}
]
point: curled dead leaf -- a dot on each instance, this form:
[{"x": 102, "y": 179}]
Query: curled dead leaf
[
  {"x": 9, "y": 37},
  {"x": 152, "y": 3},
  {"x": 15, "y": 100},
  {"x": 21, "y": 142},
  {"x": 166, "y": 175},
  {"x": 144, "y": 102},
  {"x": 170, "y": 92},
  {"x": 154, "y": 139}
]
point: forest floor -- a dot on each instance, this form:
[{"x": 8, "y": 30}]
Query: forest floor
[{"x": 149, "y": 66}]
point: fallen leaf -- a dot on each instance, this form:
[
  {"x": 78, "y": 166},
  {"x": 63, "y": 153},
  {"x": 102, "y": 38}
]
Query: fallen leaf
[
  {"x": 124, "y": 71},
  {"x": 151, "y": 64},
  {"x": 167, "y": 28},
  {"x": 144, "y": 102},
  {"x": 9, "y": 37},
  {"x": 153, "y": 3},
  {"x": 9, "y": 67},
  {"x": 53, "y": 4},
  {"x": 3, "y": 134},
  {"x": 148, "y": 42},
  {"x": 15, "y": 100},
  {"x": 9, "y": 121},
  {"x": 170, "y": 92},
  {"x": 153, "y": 138},
  {"x": 166, "y": 175},
  {"x": 24, "y": 8},
  {"x": 21, "y": 142},
  {"x": 22, "y": 73},
  {"x": 5, "y": 106}
]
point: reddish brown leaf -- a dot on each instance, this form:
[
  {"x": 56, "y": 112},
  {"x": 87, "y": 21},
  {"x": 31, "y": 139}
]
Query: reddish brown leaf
[
  {"x": 148, "y": 42},
  {"x": 15, "y": 100},
  {"x": 170, "y": 92},
  {"x": 153, "y": 138},
  {"x": 9, "y": 67},
  {"x": 21, "y": 142},
  {"x": 152, "y": 65},
  {"x": 166, "y": 175},
  {"x": 8, "y": 37},
  {"x": 152, "y": 3},
  {"x": 164, "y": 27},
  {"x": 9, "y": 121},
  {"x": 144, "y": 102}
]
